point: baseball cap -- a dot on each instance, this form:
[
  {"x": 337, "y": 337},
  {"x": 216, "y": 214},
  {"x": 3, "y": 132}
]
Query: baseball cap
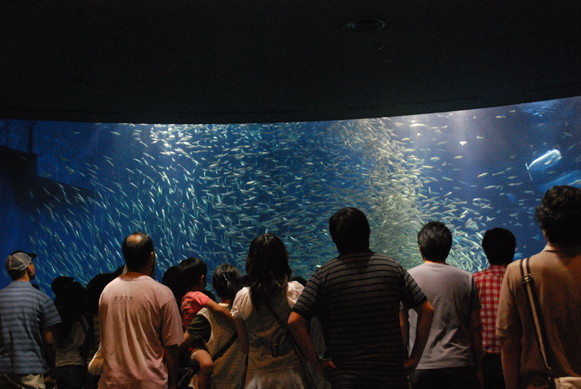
[{"x": 19, "y": 260}]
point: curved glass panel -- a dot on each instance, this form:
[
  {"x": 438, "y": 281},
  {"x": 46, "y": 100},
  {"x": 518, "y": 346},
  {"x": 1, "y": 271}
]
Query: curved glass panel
[{"x": 72, "y": 191}]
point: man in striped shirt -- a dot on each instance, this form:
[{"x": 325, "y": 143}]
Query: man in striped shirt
[
  {"x": 27, "y": 317},
  {"x": 356, "y": 298},
  {"x": 499, "y": 245}
]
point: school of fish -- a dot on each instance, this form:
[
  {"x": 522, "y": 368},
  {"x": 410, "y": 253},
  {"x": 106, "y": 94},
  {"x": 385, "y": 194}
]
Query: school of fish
[{"x": 207, "y": 190}]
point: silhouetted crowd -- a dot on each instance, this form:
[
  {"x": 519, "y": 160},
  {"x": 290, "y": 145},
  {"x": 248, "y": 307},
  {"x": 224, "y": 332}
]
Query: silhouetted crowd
[{"x": 361, "y": 320}]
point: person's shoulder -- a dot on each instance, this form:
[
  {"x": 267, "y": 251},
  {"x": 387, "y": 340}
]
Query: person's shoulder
[
  {"x": 26, "y": 290},
  {"x": 383, "y": 257},
  {"x": 294, "y": 287},
  {"x": 514, "y": 265},
  {"x": 418, "y": 268},
  {"x": 245, "y": 291},
  {"x": 460, "y": 272}
]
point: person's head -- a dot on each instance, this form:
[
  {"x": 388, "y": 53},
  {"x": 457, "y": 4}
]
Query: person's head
[
  {"x": 499, "y": 245},
  {"x": 350, "y": 230},
  {"x": 267, "y": 267},
  {"x": 71, "y": 303},
  {"x": 193, "y": 273},
  {"x": 59, "y": 284},
  {"x": 172, "y": 279},
  {"x": 72, "y": 299},
  {"x": 267, "y": 259},
  {"x": 226, "y": 281},
  {"x": 559, "y": 216},
  {"x": 19, "y": 265},
  {"x": 139, "y": 253},
  {"x": 435, "y": 241},
  {"x": 94, "y": 289}
]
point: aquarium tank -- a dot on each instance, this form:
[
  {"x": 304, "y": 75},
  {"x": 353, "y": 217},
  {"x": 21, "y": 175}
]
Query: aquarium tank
[{"x": 71, "y": 192}]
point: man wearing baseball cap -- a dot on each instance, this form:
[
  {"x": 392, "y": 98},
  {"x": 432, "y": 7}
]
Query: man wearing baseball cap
[{"x": 26, "y": 337}]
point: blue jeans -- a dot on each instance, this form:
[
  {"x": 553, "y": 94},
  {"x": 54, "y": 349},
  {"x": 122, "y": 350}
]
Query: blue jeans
[{"x": 448, "y": 378}]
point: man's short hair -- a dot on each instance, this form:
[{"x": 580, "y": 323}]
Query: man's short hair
[
  {"x": 137, "y": 248},
  {"x": 350, "y": 230},
  {"x": 559, "y": 215},
  {"x": 499, "y": 245},
  {"x": 435, "y": 240}
]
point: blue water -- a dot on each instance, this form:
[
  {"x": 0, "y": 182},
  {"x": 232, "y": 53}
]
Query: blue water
[{"x": 207, "y": 190}]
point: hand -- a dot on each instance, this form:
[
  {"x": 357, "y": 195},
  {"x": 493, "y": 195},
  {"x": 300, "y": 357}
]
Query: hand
[
  {"x": 49, "y": 381},
  {"x": 410, "y": 364},
  {"x": 324, "y": 366}
]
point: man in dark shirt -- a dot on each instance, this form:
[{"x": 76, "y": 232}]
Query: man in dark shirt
[{"x": 356, "y": 297}]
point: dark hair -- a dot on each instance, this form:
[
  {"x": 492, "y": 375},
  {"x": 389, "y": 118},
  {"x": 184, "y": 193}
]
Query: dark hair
[
  {"x": 559, "y": 215},
  {"x": 137, "y": 248},
  {"x": 94, "y": 289},
  {"x": 226, "y": 281},
  {"x": 71, "y": 304},
  {"x": 499, "y": 245},
  {"x": 435, "y": 240},
  {"x": 267, "y": 267},
  {"x": 16, "y": 274},
  {"x": 350, "y": 230},
  {"x": 59, "y": 284},
  {"x": 191, "y": 270},
  {"x": 172, "y": 279}
]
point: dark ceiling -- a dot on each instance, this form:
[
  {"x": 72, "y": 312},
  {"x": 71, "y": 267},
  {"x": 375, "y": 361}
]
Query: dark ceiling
[{"x": 218, "y": 61}]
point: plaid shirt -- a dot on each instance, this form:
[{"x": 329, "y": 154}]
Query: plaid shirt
[{"x": 489, "y": 282}]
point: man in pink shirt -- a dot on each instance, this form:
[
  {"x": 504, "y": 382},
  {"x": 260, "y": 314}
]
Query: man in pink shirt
[
  {"x": 140, "y": 324},
  {"x": 499, "y": 246}
]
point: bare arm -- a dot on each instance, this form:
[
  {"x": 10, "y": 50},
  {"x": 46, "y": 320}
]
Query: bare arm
[
  {"x": 190, "y": 341},
  {"x": 214, "y": 306},
  {"x": 242, "y": 334},
  {"x": 405, "y": 328},
  {"x": 172, "y": 361},
  {"x": 511, "y": 349},
  {"x": 425, "y": 315},
  {"x": 299, "y": 330},
  {"x": 476, "y": 335},
  {"x": 49, "y": 346}
]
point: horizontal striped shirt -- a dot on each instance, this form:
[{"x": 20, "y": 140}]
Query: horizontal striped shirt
[
  {"x": 357, "y": 298},
  {"x": 24, "y": 313}
]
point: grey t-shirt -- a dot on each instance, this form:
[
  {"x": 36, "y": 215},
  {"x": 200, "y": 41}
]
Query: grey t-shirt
[{"x": 454, "y": 297}]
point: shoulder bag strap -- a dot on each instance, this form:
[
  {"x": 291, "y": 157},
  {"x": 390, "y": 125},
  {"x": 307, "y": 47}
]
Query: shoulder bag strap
[
  {"x": 297, "y": 348},
  {"x": 225, "y": 348},
  {"x": 528, "y": 281}
]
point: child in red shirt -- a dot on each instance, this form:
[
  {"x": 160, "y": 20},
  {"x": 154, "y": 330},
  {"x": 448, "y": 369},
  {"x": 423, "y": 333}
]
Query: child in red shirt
[{"x": 193, "y": 275}]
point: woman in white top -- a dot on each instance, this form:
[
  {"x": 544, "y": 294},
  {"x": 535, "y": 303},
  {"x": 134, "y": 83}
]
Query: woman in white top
[{"x": 272, "y": 361}]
